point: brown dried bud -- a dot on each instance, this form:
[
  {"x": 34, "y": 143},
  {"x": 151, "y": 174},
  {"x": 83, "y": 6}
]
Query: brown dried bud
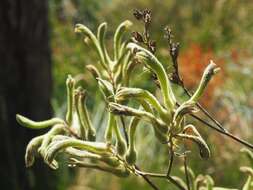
[
  {"x": 138, "y": 14},
  {"x": 138, "y": 37},
  {"x": 147, "y": 16},
  {"x": 174, "y": 49},
  {"x": 152, "y": 46}
]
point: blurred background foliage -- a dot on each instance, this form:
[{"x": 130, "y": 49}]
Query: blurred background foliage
[{"x": 221, "y": 30}]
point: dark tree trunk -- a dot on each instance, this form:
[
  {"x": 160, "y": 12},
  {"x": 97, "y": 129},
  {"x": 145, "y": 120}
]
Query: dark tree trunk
[{"x": 25, "y": 88}]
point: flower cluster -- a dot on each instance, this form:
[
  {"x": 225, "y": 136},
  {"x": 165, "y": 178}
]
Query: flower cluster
[{"x": 117, "y": 154}]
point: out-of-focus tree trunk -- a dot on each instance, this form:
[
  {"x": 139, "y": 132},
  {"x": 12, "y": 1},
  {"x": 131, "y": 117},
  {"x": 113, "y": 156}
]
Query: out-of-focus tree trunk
[{"x": 25, "y": 88}]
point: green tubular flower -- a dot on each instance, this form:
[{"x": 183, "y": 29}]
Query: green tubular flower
[
  {"x": 32, "y": 150},
  {"x": 94, "y": 71},
  {"x": 210, "y": 70},
  {"x": 131, "y": 154},
  {"x": 59, "y": 138},
  {"x": 196, "y": 137},
  {"x": 160, "y": 134},
  {"x": 118, "y": 37},
  {"x": 109, "y": 129},
  {"x": 84, "y": 116},
  {"x": 120, "y": 142},
  {"x": 119, "y": 62},
  {"x": 79, "y": 28},
  {"x": 249, "y": 171},
  {"x": 249, "y": 155},
  {"x": 248, "y": 184},
  {"x": 94, "y": 147},
  {"x": 110, "y": 160},
  {"x": 25, "y": 122},
  {"x": 101, "y": 39},
  {"x": 106, "y": 88},
  {"x": 55, "y": 130},
  {"x": 141, "y": 94},
  {"x": 119, "y": 171},
  {"x": 179, "y": 116},
  {"x": 209, "y": 182},
  {"x": 127, "y": 68},
  {"x": 79, "y": 110},
  {"x": 152, "y": 62},
  {"x": 119, "y": 109},
  {"x": 70, "y": 84}
]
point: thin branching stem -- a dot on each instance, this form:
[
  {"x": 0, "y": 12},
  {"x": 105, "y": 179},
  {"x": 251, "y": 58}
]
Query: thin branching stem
[
  {"x": 145, "y": 177},
  {"x": 186, "y": 172},
  {"x": 158, "y": 175},
  {"x": 171, "y": 158},
  {"x": 237, "y": 139},
  {"x": 205, "y": 111}
]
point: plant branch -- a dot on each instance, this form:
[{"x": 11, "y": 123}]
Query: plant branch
[
  {"x": 145, "y": 177},
  {"x": 171, "y": 158},
  {"x": 186, "y": 173},
  {"x": 158, "y": 175},
  {"x": 205, "y": 111},
  {"x": 237, "y": 139}
]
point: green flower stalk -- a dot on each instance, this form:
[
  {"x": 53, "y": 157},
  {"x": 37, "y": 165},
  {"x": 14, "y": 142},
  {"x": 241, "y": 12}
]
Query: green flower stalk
[{"x": 25, "y": 122}]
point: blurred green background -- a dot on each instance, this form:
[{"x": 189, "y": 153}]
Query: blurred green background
[{"x": 221, "y": 30}]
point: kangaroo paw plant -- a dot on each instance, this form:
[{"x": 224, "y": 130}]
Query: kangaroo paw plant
[{"x": 75, "y": 134}]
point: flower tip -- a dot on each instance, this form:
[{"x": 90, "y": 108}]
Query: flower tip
[
  {"x": 77, "y": 28},
  {"x": 128, "y": 23}
]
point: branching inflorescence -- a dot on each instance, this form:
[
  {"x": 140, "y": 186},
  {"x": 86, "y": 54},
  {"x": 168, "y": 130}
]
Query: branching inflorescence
[{"x": 117, "y": 154}]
